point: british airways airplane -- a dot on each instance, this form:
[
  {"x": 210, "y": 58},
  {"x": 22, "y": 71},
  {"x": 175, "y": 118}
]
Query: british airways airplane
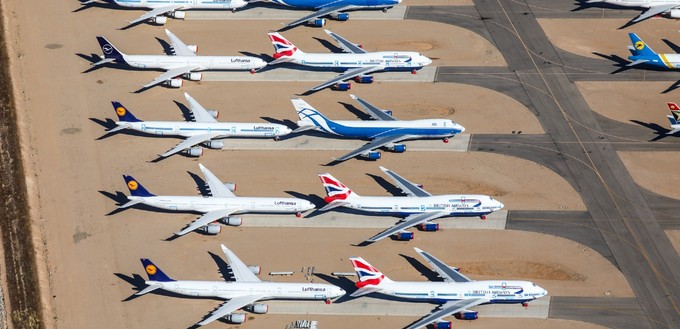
[
  {"x": 355, "y": 63},
  {"x": 204, "y": 130},
  {"x": 335, "y": 9},
  {"x": 161, "y": 9},
  {"x": 456, "y": 293},
  {"x": 216, "y": 208},
  {"x": 385, "y": 131},
  {"x": 242, "y": 293},
  {"x": 418, "y": 206},
  {"x": 182, "y": 63}
]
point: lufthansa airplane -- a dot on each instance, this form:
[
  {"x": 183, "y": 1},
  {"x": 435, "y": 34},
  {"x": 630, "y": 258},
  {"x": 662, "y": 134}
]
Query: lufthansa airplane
[
  {"x": 242, "y": 293},
  {"x": 355, "y": 62},
  {"x": 418, "y": 206},
  {"x": 161, "y": 9},
  {"x": 182, "y": 63},
  {"x": 217, "y": 208},
  {"x": 456, "y": 294},
  {"x": 384, "y": 131},
  {"x": 335, "y": 9},
  {"x": 203, "y": 131}
]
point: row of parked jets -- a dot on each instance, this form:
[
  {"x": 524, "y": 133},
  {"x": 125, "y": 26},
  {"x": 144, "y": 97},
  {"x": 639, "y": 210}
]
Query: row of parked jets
[{"x": 241, "y": 287}]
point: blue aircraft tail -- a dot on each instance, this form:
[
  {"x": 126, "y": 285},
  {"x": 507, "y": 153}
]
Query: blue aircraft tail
[
  {"x": 640, "y": 48},
  {"x": 154, "y": 273},
  {"x": 135, "y": 188},
  {"x": 123, "y": 113},
  {"x": 109, "y": 50}
]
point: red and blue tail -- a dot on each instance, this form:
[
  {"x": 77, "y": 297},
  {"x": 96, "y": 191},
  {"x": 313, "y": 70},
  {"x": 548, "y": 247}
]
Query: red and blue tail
[
  {"x": 154, "y": 273},
  {"x": 136, "y": 189},
  {"x": 335, "y": 189},
  {"x": 282, "y": 46},
  {"x": 369, "y": 276}
]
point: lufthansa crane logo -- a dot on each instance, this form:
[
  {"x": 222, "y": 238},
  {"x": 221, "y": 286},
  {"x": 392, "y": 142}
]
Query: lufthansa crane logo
[
  {"x": 107, "y": 49},
  {"x": 120, "y": 111},
  {"x": 639, "y": 45},
  {"x": 150, "y": 269},
  {"x": 132, "y": 185}
]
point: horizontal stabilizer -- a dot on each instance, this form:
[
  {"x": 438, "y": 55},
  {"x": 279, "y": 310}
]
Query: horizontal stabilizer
[
  {"x": 334, "y": 204},
  {"x": 119, "y": 128},
  {"x": 637, "y": 62},
  {"x": 365, "y": 291},
  {"x": 131, "y": 203},
  {"x": 103, "y": 61},
  {"x": 303, "y": 128},
  {"x": 148, "y": 289}
]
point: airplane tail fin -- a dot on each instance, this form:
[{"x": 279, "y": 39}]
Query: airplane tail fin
[
  {"x": 282, "y": 47},
  {"x": 674, "y": 118},
  {"x": 370, "y": 277},
  {"x": 135, "y": 188},
  {"x": 335, "y": 190},
  {"x": 639, "y": 48},
  {"x": 109, "y": 50},
  {"x": 123, "y": 113},
  {"x": 154, "y": 273},
  {"x": 310, "y": 117}
]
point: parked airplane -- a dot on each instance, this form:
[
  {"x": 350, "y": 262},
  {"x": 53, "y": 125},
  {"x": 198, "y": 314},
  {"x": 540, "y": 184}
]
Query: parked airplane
[
  {"x": 355, "y": 62},
  {"x": 643, "y": 54},
  {"x": 418, "y": 206},
  {"x": 674, "y": 118},
  {"x": 217, "y": 208},
  {"x": 184, "y": 63},
  {"x": 242, "y": 293},
  {"x": 385, "y": 131},
  {"x": 456, "y": 294},
  {"x": 204, "y": 130},
  {"x": 335, "y": 9},
  {"x": 664, "y": 8},
  {"x": 161, "y": 9}
]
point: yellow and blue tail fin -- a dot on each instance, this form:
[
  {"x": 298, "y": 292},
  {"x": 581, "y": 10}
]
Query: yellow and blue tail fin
[
  {"x": 640, "y": 48},
  {"x": 154, "y": 273},
  {"x": 123, "y": 113},
  {"x": 136, "y": 189}
]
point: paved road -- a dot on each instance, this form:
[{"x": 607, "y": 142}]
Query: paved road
[
  {"x": 581, "y": 154},
  {"x": 610, "y": 312}
]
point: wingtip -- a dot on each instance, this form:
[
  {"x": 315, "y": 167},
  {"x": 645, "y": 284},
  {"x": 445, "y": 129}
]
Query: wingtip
[
  {"x": 353, "y": 96},
  {"x": 383, "y": 169},
  {"x": 418, "y": 250},
  {"x": 201, "y": 166}
]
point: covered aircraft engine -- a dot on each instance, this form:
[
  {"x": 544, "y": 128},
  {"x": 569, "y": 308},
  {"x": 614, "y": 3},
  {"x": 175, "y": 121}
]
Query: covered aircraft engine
[
  {"x": 215, "y": 145},
  {"x": 364, "y": 79},
  {"x": 431, "y": 227},
  {"x": 214, "y": 113},
  {"x": 230, "y": 186},
  {"x": 258, "y": 308},
  {"x": 443, "y": 325},
  {"x": 319, "y": 22},
  {"x": 232, "y": 221},
  {"x": 373, "y": 155},
  {"x": 174, "y": 83},
  {"x": 212, "y": 229},
  {"x": 160, "y": 20},
  {"x": 467, "y": 315},
  {"x": 178, "y": 14},
  {"x": 193, "y": 48},
  {"x": 674, "y": 13},
  {"x": 194, "y": 76},
  {"x": 256, "y": 270},
  {"x": 397, "y": 148},
  {"x": 405, "y": 236},
  {"x": 340, "y": 16},
  {"x": 236, "y": 318},
  {"x": 343, "y": 86},
  {"x": 194, "y": 151}
]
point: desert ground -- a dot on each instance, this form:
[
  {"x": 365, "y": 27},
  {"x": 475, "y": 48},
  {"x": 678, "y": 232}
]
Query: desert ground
[{"x": 69, "y": 171}]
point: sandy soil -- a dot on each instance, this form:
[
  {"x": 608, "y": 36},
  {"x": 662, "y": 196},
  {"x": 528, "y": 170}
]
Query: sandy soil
[
  {"x": 674, "y": 236},
  {"x": 84, "y": 248},
  {"x": 650, "y": 170},
  {"x": 608, "y": 39}
]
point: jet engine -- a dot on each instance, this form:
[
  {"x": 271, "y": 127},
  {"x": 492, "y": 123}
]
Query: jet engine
[
  {"x": 194, "y": 76},
  {"x": 319, "y": 22},
  {"x": 178, "y": 14},
  {"x": 373, "y": 155},
  {"x": 212, "y": 229},
  {"x": 174, "y": 83},
  {"x": 214, "y": 113},
  {"x": 343, "y": 86},
  {"x": 405, "y": 235},
  {"x": 194, "y": 151},
  {"x": 232, "y": 221},
  {"x": 674, "y": 13},
  {"x": 340, "y": 16},
  {"x": 258, "y": 308},
  {"x": 397, "y": 148},
  {"x": 363, "y": 79},
  {"x": 466, "y": 315},
  {"x": 236, "y": 318},
  {"x": 431, "y": 227},
  {"x": 442, "y": 325},
  {"x": 256, "y": 270},
  {"x": 215, "y": 145},
  {"x": 160, "y": 20}
]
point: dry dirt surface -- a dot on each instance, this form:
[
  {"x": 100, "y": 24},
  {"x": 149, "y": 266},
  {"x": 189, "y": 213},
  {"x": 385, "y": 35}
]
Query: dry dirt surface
[
  {"x": 674, "y": 236},
  {"x": 651, "y": 171}
]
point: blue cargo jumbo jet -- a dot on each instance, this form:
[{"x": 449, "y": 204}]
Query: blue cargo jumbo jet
[{"x": 335, "y": 9}]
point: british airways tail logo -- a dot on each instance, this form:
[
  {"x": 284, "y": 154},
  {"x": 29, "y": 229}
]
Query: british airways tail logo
[
  {"x": 368, "y": 275},
  {"x": 282, "y": 46},
  {"x": 334, "y": 188}
]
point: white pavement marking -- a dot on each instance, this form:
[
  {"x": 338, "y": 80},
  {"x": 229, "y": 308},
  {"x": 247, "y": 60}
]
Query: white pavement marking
[
  {"x": 331, "y": 219},
  {"x": 459, "y": 143},
  {"x": 426, "y": 74},
  {"x": 372, "y": 306},
  {"x": 395, "y": 13}
]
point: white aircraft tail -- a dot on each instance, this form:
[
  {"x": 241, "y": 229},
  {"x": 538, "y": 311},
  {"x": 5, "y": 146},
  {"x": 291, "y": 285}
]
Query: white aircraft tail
[{"x": 370, "y": 278}]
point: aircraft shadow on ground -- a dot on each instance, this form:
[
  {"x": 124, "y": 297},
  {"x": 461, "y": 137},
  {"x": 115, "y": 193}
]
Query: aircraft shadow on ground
[
  {"x": 389, "y": 187},
  {"x": 137, "y": 283},
  {"x": 659, "y": 131},
  {"x": 342, "y": 282},
  {"x": 121, "y": 198}
]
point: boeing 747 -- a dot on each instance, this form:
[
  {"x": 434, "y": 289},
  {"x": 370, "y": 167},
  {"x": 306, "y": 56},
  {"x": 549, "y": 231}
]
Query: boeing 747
[{"x": 335, "y": 9}]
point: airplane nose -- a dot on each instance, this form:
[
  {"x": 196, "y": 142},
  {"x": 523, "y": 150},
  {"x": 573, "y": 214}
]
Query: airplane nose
[{"x": 462, "y": 129}]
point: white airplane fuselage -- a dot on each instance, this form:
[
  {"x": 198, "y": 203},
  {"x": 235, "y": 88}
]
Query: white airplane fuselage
[
  {"x": 455, "y": 205},
  {"x": 225, "y": 129},
  {"x": 272, "y": 290},
  {"x": 495, "y": 291},
  {"x": 639, "y": 3},
  {"x": 186, "y": 4},
  {"x": 203, "y": 63},
  {"x": 244, "y": 204},
  {"x": 394, "y": 60}
]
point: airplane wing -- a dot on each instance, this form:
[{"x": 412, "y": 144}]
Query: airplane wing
[
  {"x": 447, "y": 273},
  {"x": 409, "y": 221},
  {"x": 351, "y": 73},
  {"x": 189, "y": 142},
  {"x": 653, "y": 11},
  {"x": 407, "y": 187},
  {"x": 231, "y": 306},
  {"x": 179, "y": 48},
  {"x": 155, "y": 12},
  {"x": 241, "y": 271},
  {"x": 446, "y": 310},
  {"x": 171, "y": 73},
  {"x": 318, "y": 14},
  {"x": 200, "y": 113},
  {"x": 372, "y": 145},
  {"x": 206, "y": 219},
  {"x": 345, "y": 44},
  {"x": 374, "y": 111},
  {"x": 217, "y": 188},
  {"x": 673, "y": 132}
]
